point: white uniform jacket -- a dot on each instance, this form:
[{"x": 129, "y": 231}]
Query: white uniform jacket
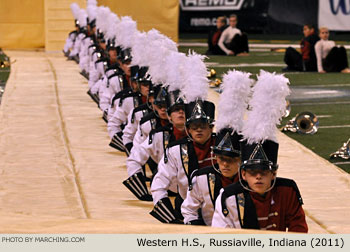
[
  {"x": 70, "y": 41},
  {"x": 96, "y": 75},
  {"x": 84, "y": 59},
  {"x": 147, "y": 123},
  {"x": 174, "y": 170},
  {"x": 206, "y": 185},
  {"x": 77, "y": 44},
  {"x": 112, "y": 84},
  {"x": 153, "y": 147},
  {"x": 134, "y": 119},
  {"x": 123, "y": 107}
]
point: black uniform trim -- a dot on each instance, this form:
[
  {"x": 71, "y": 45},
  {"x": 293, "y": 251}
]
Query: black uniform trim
[
  {"x": 73, "y": 32},
  {"x": 120, "y": 95},
  {"x": 178, "y": 142},
  {"x": 130, "y": 94},
  {"x": 139, "y": 108},
  {"x": 168, "y": 127},
  {"x": 148, "y": 117},
  {"x": 210, "y": 171}
]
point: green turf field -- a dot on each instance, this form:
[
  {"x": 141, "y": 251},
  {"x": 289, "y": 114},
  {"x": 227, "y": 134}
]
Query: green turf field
[{"x": 333, "y": 111}]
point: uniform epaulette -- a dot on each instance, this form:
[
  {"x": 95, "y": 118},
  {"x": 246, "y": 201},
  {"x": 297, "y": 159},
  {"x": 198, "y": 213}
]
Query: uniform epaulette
[
  {"x": 119, "y": 72},
  {"x": 101, "y": 60},
  {"x": 289, "y": 183},
  {"x": 128, "y": 95},
  {"x": 113, "y": 66},
  {"x": 140, "y": 108},
  {"x": 147, "y": 117},
  {"x": 119, "y": 95},
  {"x": 178, "y": 142},
  {"x": 73, "y": 32},
  {"x": 232, "y": 189},
  {"x": 168, "y": 127},
  {"x": 93, "y": 45},
  {"x": 204, "y": 171}
]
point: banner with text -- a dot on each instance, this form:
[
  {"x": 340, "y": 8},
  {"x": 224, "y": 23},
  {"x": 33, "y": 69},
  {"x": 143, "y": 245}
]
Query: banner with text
[{"x": 334, "y": 14}]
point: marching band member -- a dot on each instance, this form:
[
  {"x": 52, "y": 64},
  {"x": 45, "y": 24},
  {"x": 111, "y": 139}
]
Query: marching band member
[
  {"x": 190, "y": 153},
  {"x": 198, "y": 207},
  {"x": 72, "y": 36},
  {"x": 261, "y": 200},
  {"x": 154, "y": 146}
]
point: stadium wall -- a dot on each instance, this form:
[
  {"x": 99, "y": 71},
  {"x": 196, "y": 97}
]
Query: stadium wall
[{"x": 32, "y": 24}]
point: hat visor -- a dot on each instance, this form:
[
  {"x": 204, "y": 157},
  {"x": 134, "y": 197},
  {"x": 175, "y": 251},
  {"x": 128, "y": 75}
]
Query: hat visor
[
  {"x": 257, "y": 164},
  {"x": 225, "y": 153}
]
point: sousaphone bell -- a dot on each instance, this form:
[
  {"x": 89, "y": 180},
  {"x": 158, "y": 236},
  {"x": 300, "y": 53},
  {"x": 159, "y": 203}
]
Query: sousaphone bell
[{"x": 303, "y": 123}]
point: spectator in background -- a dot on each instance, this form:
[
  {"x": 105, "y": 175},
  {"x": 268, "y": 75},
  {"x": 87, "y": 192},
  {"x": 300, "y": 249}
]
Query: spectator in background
[
  {"x": 232, "y": 40},
  {"x": 214, "y": 36},
  {"x": 330, "y": 58},
  {"x": 306, "y": 61}
]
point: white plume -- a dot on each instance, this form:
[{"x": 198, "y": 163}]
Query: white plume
[
  {"x": 233, "y": 101},
  {"x": 126, "y": 30},
  {"x": 112, "y": 23},
  {"x": 91, "y": 12},
  {"x": 158, "y": 47},
  {"x": 82, "y": 18},
  {"x": 173, "y": 69},
  {"x": 196, "y": 83},
  {"x": 139, "y": 49},
  {"x": 101, "y": 20},
  {"x": 75, "y": 10},
  {"x": 268, "y": 105},
  {"x": 91, "y": 3}
]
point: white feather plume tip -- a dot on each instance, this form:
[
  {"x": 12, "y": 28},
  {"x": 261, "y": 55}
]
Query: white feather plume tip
[
  {"x": 75, "y": 10},
  {"x": 126, "y": 30},
  {"x": 82, "y": 18},
  {"x": 91, "y": 12},
  {"x": 233, "y": 103},
  {"x": 195, "y": 78},
  {"x": 101, "y": 20},
  {"x": 268, "y": 105},
  {"x": 91, "y": 3}
]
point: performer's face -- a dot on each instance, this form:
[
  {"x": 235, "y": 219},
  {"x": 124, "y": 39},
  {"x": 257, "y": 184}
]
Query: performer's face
[
  {"x": 103, "y": 45},
  {"x": 112, "y": 55},
  {"x": 228, "y": 165},
  {"x": 233, "y": 21},
  {"x": 161, "y": 110},
  {"x": 324, "y": 34},
  {"x": 126, "y": 67},
  {"x": 307, "y": 31},
  {"x": 200, "y": 132},
  {"x": 144, "y": 88},
  {"x": 258, "y": 180},
  {"x": 177, "y": 117}
]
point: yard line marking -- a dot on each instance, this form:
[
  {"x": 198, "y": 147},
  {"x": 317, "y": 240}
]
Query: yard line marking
[
  {"x": 320, "y": 103},
  {"x": 324, "y": 116},
  {"x": 215, "y": 64},
  {"x": 340, "y": 163},
  {"x": 251, "y": 45},
  {"x": 322, "y": 92},
  {"x": 334, "y": 127}
]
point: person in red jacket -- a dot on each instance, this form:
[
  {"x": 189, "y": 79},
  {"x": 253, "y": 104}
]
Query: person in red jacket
[
  {"x": 214, "y": 36},
  {"x": 306, "y": 60}
]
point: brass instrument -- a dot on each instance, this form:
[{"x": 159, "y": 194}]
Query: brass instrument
[
  {"x": 303, "y": 123},
  {"x": 211, "y": 73},
  {"x": 343, "y": 152}
]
